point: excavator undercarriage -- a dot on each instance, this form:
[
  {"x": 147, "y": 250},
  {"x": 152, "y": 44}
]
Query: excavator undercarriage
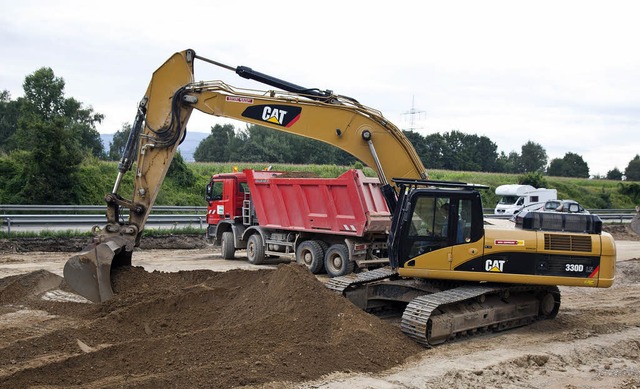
[{"x": 434, "y": 312}]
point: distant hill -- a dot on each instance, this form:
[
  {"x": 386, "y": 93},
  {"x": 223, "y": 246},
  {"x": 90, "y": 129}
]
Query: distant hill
[{"x": 187, "y": 148}]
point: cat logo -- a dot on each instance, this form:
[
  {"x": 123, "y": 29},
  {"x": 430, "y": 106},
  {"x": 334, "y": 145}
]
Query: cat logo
[
  {"x": 494, "y": 265},
  {"x": 281, "y": 115},
  {"x": 273, "y": 115}
]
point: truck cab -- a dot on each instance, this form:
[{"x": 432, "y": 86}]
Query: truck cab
[{"x": 225, "y": 195}]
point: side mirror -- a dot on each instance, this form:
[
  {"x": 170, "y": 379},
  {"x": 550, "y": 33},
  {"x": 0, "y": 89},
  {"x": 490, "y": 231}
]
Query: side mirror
[{"x": 207, "y": 194}]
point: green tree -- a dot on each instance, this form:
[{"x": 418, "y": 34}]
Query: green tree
[
  {"x": 633, "y": 169},
  {"x": 118, "y": 143},
  {"x": 614, "y": 174},
  {"x": 453, "y": 155},
  {"x": 52, "y": 132},
  {"x": 9, "y": 114},
  {"x": 180, "y": 173},
  {"x": 571, "y": 165},
  {"x": 262, "y": 144},
  {"x": 575, "y": 166},
  {"x": 50, "y": 173},
  {"x": 217, "y": 146},
  {"x": 44, "y": 100},
  {"x": 468, "y": 152},
  {"x": 508, "y": 163},
  {"x": 420, "y": 145},
  {"x": 556, "y": 167},
  {"x": 82, "y": 124},
  {"x": 44, "y": 94},
  {"x": 533, "y": 157},
  {"x": 485, "y": 152},
  {"x": 434, "y": 149}
]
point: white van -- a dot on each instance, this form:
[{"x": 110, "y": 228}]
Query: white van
[{"x": 516, "y": 197}]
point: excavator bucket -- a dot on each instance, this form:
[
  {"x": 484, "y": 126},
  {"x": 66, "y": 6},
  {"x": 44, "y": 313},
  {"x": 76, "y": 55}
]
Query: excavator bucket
[{"x": 89, "y": 272}]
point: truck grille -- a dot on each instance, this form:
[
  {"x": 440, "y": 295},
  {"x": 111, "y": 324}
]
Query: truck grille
[{"x": 567, "y": 242}]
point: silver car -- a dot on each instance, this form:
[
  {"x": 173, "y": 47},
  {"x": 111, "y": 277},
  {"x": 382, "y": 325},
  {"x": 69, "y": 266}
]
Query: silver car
[{"x": 569, "y": 206}]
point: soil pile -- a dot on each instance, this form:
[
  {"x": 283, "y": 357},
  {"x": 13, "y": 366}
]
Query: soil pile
[
  {"x": 203, "y": 329},
  {"x": 16, "y": 288}
]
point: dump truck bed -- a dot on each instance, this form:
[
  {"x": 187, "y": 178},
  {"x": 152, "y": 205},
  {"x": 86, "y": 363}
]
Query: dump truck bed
[{"x": 351, "y": 204}]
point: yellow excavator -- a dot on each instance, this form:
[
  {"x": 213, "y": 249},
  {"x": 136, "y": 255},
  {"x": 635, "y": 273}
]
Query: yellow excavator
[{"x": 451, "y": 273}]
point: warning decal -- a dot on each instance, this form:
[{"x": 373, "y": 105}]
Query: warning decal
[{"x": 507, "y": 242}]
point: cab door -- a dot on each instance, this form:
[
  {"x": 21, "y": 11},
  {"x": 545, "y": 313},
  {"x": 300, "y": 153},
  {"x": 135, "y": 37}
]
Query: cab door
[
  {"x": 225, "y": 195},
  {"x": 469, "y": 238},
  {"x": 216, "y": 208}
]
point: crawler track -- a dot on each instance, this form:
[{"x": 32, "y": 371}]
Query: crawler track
[
  {"x": 471, "y": 309},
  {"x": 340, "y": 284},
  {"x": 457, "y": 311}
]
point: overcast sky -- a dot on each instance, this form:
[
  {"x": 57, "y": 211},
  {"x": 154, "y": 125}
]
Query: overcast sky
[{"x": 564, "y": 74}]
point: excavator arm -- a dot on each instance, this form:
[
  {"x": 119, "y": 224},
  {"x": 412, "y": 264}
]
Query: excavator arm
[{"x": 160, "y": 126}]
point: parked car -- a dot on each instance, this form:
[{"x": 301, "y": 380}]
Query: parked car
[{"x": 569, "y": 206}]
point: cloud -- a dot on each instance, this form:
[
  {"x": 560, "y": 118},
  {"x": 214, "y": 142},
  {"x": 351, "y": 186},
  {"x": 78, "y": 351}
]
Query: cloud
[{"x": 562, "y": 74}]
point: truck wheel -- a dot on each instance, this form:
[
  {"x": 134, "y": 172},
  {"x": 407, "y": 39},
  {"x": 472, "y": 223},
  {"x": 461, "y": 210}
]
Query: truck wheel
[
  {"x": 336, "y": 261},
  {"x": 255, "y": 249},
  {"x": 310, "y": 254},
  {"x": 228, "y": 249}
]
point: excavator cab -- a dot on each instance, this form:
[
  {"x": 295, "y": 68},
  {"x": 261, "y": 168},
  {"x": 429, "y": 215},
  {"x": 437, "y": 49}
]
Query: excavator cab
[{"x": 434, "y": 219}]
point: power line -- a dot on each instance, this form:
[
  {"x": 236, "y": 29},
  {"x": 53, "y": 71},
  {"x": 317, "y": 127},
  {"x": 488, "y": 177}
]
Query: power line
[{"x": 413, "y": 113}]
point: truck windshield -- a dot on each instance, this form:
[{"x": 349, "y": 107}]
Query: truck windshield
[{"x": 508, "y": 200}]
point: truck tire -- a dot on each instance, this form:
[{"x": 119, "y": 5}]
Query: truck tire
[
  {"x": 228, "y": 249},
  {"x": 255, "y": 249},
  {"x": 336, "y": 261},
  {"x": 310, "y": 254}
]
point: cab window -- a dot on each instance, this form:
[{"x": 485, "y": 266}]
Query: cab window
[
  {"x": 438, "y": 222},
  {"x": 215, "y": 191},
  {"x": 429, "y": 226}
]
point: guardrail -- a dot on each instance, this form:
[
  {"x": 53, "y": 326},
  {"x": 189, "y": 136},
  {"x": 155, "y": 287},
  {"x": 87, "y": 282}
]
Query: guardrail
[
  {"x": 69, "y": 216},
  {"x": 172, "y": 215},
  {"x": 95, "y": 208}
]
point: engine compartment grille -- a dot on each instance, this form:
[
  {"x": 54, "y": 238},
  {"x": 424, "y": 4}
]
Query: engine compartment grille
[{"x": 580, "y": 243}]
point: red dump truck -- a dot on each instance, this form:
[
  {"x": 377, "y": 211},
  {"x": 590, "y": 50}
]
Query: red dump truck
[{"x": 332, "y": 224}]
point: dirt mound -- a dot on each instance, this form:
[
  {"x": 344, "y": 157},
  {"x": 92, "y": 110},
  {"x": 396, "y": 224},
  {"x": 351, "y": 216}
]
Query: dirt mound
[
  {"x": 620, "y": 231},
  {"x": 628, "y": 272},
  {"x": 207, "y": 329},
  {"x": 15, "y": 289}
]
